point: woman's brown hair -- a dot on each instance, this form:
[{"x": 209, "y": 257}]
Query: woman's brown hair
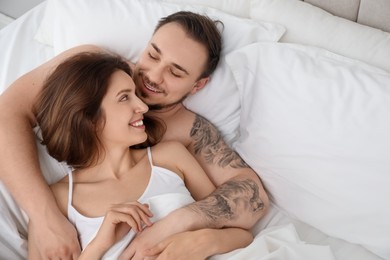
[{"x": 68, "y": 107}]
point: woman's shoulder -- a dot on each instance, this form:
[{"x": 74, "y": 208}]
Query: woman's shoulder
[{"x": 169, "y": 153}]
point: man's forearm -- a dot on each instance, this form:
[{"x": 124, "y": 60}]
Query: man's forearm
[
  {"x": 239, "y": 202},
  {"x": 19, "y": 164}
]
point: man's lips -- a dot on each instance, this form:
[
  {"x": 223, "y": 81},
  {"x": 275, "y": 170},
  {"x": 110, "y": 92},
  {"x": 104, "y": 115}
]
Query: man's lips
[{"x": 151, "y": 87}]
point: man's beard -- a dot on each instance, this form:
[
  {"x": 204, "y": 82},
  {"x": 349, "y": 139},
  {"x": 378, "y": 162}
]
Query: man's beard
[
  {"x": 142, "y": 95},
  {"x": 160, "y": 106}
]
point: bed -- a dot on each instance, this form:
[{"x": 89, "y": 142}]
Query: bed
[{"x": 302, "y": 92}]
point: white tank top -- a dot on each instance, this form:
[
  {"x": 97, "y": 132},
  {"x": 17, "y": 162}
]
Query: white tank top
[{"x": 165, "y": 192}]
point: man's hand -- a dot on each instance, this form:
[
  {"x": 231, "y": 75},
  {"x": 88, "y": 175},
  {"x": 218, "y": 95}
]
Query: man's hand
[
  {"x": 200, "y": 244},
  {"x": 182, "y": 246},
  {"x": 152, "y": 235},
  {"x": 54, "y": 238},
  {"x": 146, "y": 239}
]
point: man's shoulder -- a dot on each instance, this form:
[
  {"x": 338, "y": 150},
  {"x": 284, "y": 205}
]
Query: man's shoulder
[
  {"x": 191, "y": 119},
  {"x": 166, "y": 146},
  {"x": 186, "y": 114},
  {"x": 179, "y": 126},
  {"x": 168, "y": 153}
]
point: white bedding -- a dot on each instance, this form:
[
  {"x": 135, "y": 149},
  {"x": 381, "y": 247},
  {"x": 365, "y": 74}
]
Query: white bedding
[{"x": 278, "y": 235}]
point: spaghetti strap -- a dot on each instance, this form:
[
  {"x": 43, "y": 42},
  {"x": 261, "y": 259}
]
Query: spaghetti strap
[
  {"x": 70, "y": 192},
  {"x": 150, "y": 156}
]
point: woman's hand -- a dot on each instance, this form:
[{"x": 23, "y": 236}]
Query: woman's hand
[{"x": 117, "y": 222}]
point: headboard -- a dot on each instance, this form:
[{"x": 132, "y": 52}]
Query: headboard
[{"x": 372, "y": 13}]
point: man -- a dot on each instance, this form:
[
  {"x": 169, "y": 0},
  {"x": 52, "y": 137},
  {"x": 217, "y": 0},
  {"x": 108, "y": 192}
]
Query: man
[{"x": 181, "y": 55}]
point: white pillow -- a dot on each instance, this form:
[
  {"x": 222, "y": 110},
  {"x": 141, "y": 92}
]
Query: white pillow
[
  {"x": 125, "y": 27},
  {"x": 315, "y": 126},
  {"x": 307, "y": 24}
]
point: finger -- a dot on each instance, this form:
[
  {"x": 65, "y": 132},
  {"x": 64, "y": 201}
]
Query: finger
[
  {"x": 131, "y": 205},
  {"x": 116, "y": 217},
  {"x": 145, "y": 208},
  {"x": 133, "y": 222},
  {"x": 157, "y": 249},
  {"x": 135, "y": 216},
  {"x": 75, "y": 256},
  {"x": 138, "y": 215},
  {"x": 146, "y": 220},
  {"x": 128, "y": 253}
]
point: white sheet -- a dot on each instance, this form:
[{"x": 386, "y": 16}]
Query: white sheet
[
  {"x": 280, "y": 242},
  {"x": 20, "y": 53}
]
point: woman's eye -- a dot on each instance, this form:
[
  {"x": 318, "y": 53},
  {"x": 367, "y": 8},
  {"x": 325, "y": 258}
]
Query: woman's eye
[{"x": 124, "y": 98}]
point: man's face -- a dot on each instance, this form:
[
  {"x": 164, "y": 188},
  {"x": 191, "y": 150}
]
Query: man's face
[{"x": 169, "y": 68}]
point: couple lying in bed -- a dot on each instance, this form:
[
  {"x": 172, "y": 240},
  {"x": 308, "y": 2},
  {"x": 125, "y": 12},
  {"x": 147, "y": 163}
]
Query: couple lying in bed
[{"x": 91, "y": 107}]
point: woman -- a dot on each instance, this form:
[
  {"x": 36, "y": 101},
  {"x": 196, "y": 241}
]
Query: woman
[{"x": 91, "y": 118}]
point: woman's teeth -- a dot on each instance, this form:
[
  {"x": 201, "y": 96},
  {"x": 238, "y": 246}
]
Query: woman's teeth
[{"x": 138, "y": 123}]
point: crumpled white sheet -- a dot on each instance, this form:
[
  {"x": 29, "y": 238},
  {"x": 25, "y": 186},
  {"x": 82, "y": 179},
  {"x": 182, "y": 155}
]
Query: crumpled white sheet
[{"x": 279, "y": 243}]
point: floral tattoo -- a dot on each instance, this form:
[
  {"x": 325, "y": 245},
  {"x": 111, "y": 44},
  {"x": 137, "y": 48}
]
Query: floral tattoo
[
  {"x": 209, "y": 143},
  {"x": 228, "y": 201}
]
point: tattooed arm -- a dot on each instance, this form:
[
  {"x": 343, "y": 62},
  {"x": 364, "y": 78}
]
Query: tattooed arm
[{"x": 240, "y": 199}]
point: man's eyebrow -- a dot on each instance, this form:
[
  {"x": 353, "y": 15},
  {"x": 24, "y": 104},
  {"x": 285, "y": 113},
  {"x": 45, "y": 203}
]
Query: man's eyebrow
[{"x": 158, "y": 50}]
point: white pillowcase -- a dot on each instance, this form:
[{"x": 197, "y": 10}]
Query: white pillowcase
[
  {"x": 125, "y": 27},
  {"x": 307, "y": 24},
  {"x": 315, "y": 126}
]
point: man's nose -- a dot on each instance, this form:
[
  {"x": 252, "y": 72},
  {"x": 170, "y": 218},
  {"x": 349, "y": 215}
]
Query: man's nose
[{"x": 155, "y": 75}]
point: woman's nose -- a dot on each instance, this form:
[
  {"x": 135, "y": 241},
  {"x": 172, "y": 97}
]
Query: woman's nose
[{"x": 141, "y": 106}]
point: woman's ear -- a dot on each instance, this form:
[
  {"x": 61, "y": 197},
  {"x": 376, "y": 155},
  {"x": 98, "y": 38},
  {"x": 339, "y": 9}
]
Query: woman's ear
[{"x": 199, "y": 85}]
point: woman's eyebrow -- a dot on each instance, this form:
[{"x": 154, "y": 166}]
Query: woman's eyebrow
[{"x": 127, "y": 90}]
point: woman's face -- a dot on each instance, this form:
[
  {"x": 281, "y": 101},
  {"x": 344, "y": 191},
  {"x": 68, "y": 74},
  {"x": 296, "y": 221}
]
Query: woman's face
[{"x": 123, "y": 113}]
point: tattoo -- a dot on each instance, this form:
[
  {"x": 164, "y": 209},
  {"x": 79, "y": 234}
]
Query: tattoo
[
  {"x": 229, "y": 201},
  {"x": 209, "y": 142}
]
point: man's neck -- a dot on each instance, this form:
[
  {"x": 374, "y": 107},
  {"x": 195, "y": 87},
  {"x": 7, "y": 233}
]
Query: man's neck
[{"x": 166, "y": 112}]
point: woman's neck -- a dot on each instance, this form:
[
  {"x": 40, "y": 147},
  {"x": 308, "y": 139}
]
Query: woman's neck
[{"x": 113, "y": 165}]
